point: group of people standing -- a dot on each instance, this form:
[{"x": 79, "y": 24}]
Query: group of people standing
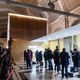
[
  {"x": 39, "y": 58},
  {"x": 76, "y": 59},
  {"x": 47, "y": 58},
  {"x": 61, "y": 59},
  {"x": 6, "y": 61},
  {"x": 28, "y": 58}
]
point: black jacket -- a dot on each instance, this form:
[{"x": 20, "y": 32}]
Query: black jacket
[
  {"x": 64, "y": 58},
  {"x": 56, "y": 57}
]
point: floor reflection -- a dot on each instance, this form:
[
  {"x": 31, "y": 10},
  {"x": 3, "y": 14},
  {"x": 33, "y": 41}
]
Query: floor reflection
[{"x": 37, "y": 73}]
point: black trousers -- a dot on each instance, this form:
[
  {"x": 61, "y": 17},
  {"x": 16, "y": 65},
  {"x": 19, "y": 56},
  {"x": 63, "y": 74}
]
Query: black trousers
[
  {"x": 57, "y": 67},
  {"x": 65, "y": 68},
  {"x": 28, "y": 62}
]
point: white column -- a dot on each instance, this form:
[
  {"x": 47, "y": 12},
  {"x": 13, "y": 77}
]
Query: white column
[{"x": 72, "y": 43}]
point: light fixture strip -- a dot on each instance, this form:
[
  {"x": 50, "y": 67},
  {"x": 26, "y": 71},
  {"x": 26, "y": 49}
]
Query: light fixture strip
[{"x": 31, "y": 17}]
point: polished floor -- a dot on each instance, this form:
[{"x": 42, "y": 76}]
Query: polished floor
[{"x": 37, "y": 73}]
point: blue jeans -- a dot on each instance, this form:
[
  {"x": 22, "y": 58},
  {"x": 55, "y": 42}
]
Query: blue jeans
[
  {"x": 57, "y": 67},
  {"x": 50, "y": 64}
]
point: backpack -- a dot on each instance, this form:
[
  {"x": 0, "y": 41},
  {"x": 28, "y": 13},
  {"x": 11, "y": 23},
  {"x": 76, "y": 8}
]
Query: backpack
[{"x": 70, "y": 74}]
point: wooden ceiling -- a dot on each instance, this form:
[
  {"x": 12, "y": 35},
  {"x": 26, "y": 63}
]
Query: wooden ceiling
[
  {"x": 63, "y": 5},
  {"x": 27, "y": 28}
]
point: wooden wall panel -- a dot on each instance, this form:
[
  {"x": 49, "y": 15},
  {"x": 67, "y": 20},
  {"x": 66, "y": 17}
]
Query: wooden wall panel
[{"x": 27, "y": 28}]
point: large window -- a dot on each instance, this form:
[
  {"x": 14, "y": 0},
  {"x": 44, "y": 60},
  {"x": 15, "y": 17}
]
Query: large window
[{"x": 76, "y": 42}]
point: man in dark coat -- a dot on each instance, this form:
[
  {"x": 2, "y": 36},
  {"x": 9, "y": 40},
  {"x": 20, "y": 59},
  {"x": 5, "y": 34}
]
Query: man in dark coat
[
  {"x": 50, "y": 56},
  {"x": 64, "y": 62},
  {"x": 45, "y": 58},
  {"x": 56, "y": 57},
  {"x": 24, "y": 55},
  {"x": 75, "y": 57}
]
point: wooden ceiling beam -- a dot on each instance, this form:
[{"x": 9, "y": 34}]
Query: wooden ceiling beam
[{"x": 25, "y": 5}]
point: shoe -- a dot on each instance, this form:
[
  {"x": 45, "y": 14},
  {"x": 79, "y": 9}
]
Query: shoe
[
  {"x": 62, "y": 78},
  {"x": 45, "y": 67},
  {"x": 50, "y": 69}
]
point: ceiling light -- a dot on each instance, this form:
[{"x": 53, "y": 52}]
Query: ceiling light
[{"x": 25, "y": 16}]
